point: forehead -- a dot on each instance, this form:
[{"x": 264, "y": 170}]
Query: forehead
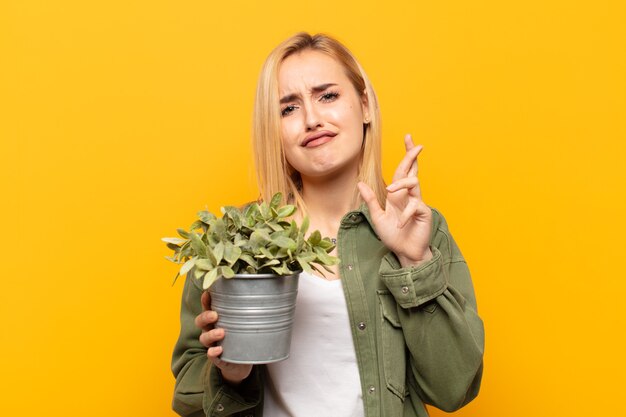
[{"x": 307, "y": 69}]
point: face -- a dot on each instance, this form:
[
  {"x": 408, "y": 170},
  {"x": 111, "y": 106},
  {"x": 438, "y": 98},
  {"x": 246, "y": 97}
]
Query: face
[{"x": 322, "y": 115}]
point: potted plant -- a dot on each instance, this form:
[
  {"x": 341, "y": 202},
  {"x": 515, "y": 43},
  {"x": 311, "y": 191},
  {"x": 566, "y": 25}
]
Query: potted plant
[{"x": 260, "y": 254}]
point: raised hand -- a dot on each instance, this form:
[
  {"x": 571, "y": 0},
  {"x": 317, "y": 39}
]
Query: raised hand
[
  {"x": 231, "y": 372},
  {"x": 404, "y": 226}
]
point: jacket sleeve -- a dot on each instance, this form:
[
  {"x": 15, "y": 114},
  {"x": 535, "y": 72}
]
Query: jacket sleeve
[
  {"x": 199, "y": 389},
  {"x": 437, "y": 310}
]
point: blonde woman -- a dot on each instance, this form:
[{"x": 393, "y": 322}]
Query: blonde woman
[{"x": 395, "y": 326}]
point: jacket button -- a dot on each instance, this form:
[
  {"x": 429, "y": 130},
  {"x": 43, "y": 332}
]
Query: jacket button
[
  {"x": 405, "y": 290},
  {"x": 361, "y": 326},
  {"x": 371, "y": 389},
  {"x": 219, "y": 408}
]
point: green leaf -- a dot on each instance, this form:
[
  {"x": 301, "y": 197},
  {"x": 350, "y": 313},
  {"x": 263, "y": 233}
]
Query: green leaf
[
  {"x": 276, "y": 199},
  {"x": 226, "y": 271},
  {"x": 187, "y": 266},
  {"x": 204, "y": 264},
  {"x": 284, "y": 242},
  {"x": 234, "y": 214},
  {"x": 249, "y": 260},
  {"x": 183, "y": 233},
  {"x": 286, "y": 211},
  {"x": 265, "y": 211},
  {"x": 231, "y": 253},
  {"x": 304, "y": 264},
  {"x": 173, "y": 247},
  {"x": 175, "y": 278},
  {"x": 259, "y": 238},
  {"x": 218, "y": 252},
  {"x": 315, "y": 238},
  {"x": 282, "y": 270},
  {"x": 198, "y": 245},
  {"x": 219, "y": 228},
  {"x": 326, "y": 244},
  {"x": 197, "y": 225},
  {"x": 270, "y": 263},
  {"x": 209, "y": 279},
  {"x": 198, "y": 273},
  {"x": 275, "y": 226},
  {"x": 325, "y": 258},
  {"x": 174, "y": 240},
  {"x": 293, "y": 230},
  {"x": 206, "y": 216},
  {"x": 305, "y": 225},
  {"x": 266, "y": 253}
]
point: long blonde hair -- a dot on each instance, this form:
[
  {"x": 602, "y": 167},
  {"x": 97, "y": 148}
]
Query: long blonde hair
[{"x": 274, "y": 173}]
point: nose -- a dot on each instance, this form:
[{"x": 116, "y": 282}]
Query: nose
[{"x": 312, "y": 117}]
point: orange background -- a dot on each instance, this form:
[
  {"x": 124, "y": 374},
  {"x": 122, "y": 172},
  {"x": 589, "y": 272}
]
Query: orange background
[{"x": 120, "y": 119}]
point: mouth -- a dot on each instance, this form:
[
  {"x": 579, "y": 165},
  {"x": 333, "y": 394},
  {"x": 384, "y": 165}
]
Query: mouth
[{"x": 318, "y": 139}]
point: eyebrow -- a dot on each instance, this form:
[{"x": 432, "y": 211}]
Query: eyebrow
[{"x": 316, "y": 89}]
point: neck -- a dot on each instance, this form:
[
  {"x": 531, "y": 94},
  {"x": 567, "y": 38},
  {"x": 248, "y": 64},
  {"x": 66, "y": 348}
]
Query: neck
[{"x": 328, "y": 200}]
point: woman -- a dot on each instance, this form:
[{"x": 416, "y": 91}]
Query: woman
[{"x": 395, "y": 326}]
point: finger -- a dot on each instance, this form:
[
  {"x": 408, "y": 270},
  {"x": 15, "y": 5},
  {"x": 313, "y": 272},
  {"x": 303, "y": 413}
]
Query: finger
[
  {"x": 404, "y": 183},
  {"x": 213, "y": 353},
  {"x": 206, "y": 300},
  {"x": 406, "y": 163},
  {"x": 209, "y": 338},
  {"x": 414, "y": 209},
  {"x": 408, "y": 142},
  {"x": 206, "y": 319},
  {"x": 370, "y": 199}
]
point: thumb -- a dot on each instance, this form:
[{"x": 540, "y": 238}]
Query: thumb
[
  {"x": 370, "y": 199},
  {"x": 206, "y": 301}
]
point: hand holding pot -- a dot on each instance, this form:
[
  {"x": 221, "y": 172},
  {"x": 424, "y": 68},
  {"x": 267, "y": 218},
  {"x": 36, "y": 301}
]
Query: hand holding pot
[{"x": 231, "y": 372}]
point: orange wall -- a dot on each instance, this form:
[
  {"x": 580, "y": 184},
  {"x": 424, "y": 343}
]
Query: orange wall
[{"x": 121, "y": 119}]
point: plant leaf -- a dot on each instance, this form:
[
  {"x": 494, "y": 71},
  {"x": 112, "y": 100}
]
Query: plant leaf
[
  {"x": 315, "y": 238},
  {"x": 218, "y": 252},
  {"x": 249, "y": 260},
  {"x": 209, "y": 279},
  {"x": 286, "y": 211},
  {"x": 284, "y": 242},
  {"x": 276, "y": 199},
  {"x": 226, "y": 271},
  {"x": 304, "y": 264},
  {"x": 204, "y": 264},
  {"x": 325, "y": 258},
  {"x": 198, "y": 245},
  {"x": 174, "y": 240},
  {"x": 187, "y": 266},
  {"x": 198, "y": 273},
  {"x": 206, "y": 216},
  {"x": 231, "y": 253},
  {"x": 305, "y": 225}
]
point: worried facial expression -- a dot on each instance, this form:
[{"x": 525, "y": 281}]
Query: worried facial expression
[{"x": 322, "y": 115}]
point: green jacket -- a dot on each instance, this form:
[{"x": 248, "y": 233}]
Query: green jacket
[{"x": 416, "y": 332}]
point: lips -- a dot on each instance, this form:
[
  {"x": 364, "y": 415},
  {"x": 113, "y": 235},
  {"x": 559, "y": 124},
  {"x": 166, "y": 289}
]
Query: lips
[{"x": 318, "y": 138}]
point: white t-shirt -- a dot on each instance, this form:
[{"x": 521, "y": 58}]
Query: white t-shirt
[{"x": 321, "y": 376}]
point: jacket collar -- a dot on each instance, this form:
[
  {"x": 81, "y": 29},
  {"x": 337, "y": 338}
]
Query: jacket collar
[{"x": 356, "y": 216}]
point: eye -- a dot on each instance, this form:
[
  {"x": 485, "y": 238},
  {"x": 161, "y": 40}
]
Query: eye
[
  {"x": 287, "y": 110},
  {"x": 330, "y": 96}
]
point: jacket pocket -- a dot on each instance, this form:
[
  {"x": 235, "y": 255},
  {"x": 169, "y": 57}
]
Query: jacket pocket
[{"x": 392, "y": 345}]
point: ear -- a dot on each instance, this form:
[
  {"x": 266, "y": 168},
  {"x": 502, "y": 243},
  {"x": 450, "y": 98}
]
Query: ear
[{"x": 365, "y": 107}]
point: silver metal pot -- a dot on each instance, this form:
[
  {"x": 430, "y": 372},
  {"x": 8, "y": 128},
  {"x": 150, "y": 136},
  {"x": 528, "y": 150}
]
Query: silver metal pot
[{"x": 256, "y": 312}]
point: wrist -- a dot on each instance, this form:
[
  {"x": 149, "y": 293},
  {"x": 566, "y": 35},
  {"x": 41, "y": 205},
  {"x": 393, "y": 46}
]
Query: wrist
[{"x": 407, "y": 261}]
